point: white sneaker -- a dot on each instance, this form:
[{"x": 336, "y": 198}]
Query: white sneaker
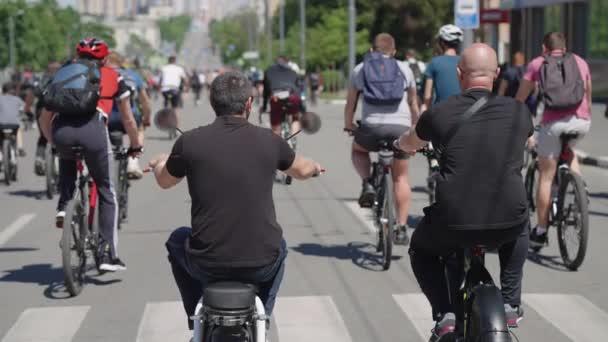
[
  {"x": 133, "y": 169},
  {"x": 59, "y": 218}
]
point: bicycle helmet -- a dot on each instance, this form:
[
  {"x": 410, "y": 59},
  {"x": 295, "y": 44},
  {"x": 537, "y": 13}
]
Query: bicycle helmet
[
  {"x": 450, "y": 33},
  {"x": 92, "y": 47}
]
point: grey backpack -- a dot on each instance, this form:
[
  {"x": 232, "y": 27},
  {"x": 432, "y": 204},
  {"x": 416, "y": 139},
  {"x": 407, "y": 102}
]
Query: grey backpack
[{"x": 561, "y": 82}]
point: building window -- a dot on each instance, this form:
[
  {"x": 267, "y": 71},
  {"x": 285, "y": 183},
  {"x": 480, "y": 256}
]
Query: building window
[{"x": 598, "y": 29}]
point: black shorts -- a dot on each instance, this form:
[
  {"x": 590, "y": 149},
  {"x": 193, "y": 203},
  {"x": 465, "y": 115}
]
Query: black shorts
[
  {"x": 370, "y": 136},
  {"x": 172, "y": 97}
]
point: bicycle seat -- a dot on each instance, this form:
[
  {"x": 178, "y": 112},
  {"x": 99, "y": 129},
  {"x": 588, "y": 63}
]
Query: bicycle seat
[
  {"x": 567, "y": 136},
  {"x": 386, "y": 144},
  {"x": 7, "y": 127},
  {"x": 229, "y": 295}
]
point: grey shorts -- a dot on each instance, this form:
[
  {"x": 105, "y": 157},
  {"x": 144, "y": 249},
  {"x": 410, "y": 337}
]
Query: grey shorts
[
  {"x": 370, "y": 136},
  {"x": 549, "y": 144}
]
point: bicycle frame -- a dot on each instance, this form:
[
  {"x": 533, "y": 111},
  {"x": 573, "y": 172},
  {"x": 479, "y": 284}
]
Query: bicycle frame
[{"x": 86, "y": 180}]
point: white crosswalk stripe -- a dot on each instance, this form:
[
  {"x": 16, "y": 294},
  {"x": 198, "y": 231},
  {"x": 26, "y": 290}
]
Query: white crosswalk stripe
[
  {"x": 573, "y": 315},
  {"x": 15, "y": 227},
  {"x": 363, "y": 214},
  {"x": 164, "y": 321},
  {"x": 310, "y": 318},
  {"x": 51, "y": 324}
]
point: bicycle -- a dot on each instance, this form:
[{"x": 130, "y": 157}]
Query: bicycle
[
  {"x": 120, "y": 178},
  {"x": 80, "y": 237},
  {"x": 480, "y": 313},
  {"x": 230, "y": 311},
  {"x": 168, "y": 100},
  {"x": 9, "y": 152},
  {"x": 564, "y": 214},
  {"x": 385, "y": 215},
  {"x": 51, "y": 172}
]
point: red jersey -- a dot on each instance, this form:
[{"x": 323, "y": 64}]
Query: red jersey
[{"x": 112, "y": 88}]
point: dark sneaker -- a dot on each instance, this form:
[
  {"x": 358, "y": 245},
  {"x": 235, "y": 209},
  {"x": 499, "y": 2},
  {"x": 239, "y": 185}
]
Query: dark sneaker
[
  {"x": 514, "y": 315},
  {"x": 39, "y": 168},
  {"x": 401, "y": 237},
  {"x": 21, "y": 152},
  {"x": 368, "y": 195},
  {"x": 538, "y": 240},
  {"x": 445, "y": 329},
  {"x": 59, "y": 218},
  {"x": 109, "y": 264}
]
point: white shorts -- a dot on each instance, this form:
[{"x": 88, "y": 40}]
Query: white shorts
[{"x": 549, "y": 144}]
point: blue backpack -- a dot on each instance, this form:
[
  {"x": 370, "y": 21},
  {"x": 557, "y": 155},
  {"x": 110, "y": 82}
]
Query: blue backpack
[{"x": 383, "y": 81}]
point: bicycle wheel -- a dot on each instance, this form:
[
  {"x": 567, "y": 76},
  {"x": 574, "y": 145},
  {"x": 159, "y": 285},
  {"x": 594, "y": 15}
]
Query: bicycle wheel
[
  {"x": 485, "y": 321},
  {"x": 50, "y": 173},
  {"x": 6, "y": 160},
  {"x": 124, "y": 191},
  {"x": 573, "y": 223},
  {"x": 73, "y": 242},
  {"x": 531, "y": 185},
  {"x": 431, "y": 184},
  {"x": 13, "y": 164},
  {"x": 387, "y": 221}
]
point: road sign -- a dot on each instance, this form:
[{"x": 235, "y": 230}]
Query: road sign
[
  {"x": 494, "y": 16},
  {"x": 251, "y": 55},
  {"x": 466, "y": 14}
]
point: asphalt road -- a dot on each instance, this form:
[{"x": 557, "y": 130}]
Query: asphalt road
[{"x": 333, "y": 291}]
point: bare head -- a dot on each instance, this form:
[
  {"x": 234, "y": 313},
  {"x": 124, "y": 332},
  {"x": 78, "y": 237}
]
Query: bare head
[
  {"x": 478, "y": 67},
  {"x": 385, "y": 44},
  {"x": 554, "y": 41},
  {"x": 519, "y": 58}
]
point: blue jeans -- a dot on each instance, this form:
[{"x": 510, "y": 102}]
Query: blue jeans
[{"x": 191, "y": 280}]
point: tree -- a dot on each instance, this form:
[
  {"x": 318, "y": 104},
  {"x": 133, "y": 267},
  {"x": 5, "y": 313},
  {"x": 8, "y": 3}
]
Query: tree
[{"x": 174, "y": 29}]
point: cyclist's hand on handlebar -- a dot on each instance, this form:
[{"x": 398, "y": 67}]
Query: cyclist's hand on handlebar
[
  {"x": 350, "y": 128},
  {"x": 135, "y": 151},
  {"x": 319, "y": 170},
  {"x": 146, "y": 121}
]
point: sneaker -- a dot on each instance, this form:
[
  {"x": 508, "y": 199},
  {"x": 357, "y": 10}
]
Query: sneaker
[
  {"x": 514, "y": 315},
  {"x": 39, "y": 168},
  {"x": 368, "y": 195},
  {"x": 21, "y": 152},
  {"x": 59, "y": 218},
  {"x": 133, "y": 169},
  {"x": 538, "y": 240},
  {"x": 109, "y": 264},
  {"x": 401, "y": 237},
  {"x": 445, "y": 329}
]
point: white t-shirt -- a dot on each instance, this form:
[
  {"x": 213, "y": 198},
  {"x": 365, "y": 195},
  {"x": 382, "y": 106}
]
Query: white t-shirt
[
  {"x": 172, "y": 76},
  {"x": 202, "y": 78}
]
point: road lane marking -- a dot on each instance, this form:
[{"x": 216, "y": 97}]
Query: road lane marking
[
  {"x": 309, "y": 318},
  {"x": 364, "y": 215},
  {"x": 15, "y": 227},
  {"x": 573, "y": 315},
  {"x": 50, "y": 324},
  {"x": 162, "y": 322},
  {"x": 418, "y": 310}
]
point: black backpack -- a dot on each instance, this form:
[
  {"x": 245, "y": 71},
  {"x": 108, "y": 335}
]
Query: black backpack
[
  {"x": 561, "y": 82},
  {"x": 74, "y": 89},
  {"x": 417, "y": 75}
]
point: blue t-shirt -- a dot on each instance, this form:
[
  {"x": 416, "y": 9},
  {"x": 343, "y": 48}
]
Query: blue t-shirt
[
  {"x": 442, "y": 70},
  {"x": 136, "y": 84}
]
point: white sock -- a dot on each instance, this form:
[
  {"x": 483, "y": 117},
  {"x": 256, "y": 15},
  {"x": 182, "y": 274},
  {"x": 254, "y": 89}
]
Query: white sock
[{"x": 540, "y": 230}]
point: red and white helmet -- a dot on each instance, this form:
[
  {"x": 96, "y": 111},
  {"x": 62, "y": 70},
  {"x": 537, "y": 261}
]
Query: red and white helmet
[{"x": 92, "y": 47}]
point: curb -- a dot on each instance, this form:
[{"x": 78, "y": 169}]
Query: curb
[
  {"x": 336, "y": 102},
  {"x": 587, "y": 159}
]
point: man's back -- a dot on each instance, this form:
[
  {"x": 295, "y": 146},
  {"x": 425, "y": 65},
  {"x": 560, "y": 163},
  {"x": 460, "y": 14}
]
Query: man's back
[
  {"x": 281, "y": 77},
  {"x": 10, "y": 106},
  {"x": 442, "y": 70},
  {"x": 172, "y": 76},
  {"x": 230, "y": 168},
  {"x": 480, "y": 184}
]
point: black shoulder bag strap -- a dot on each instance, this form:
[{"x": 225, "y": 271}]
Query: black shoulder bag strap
[{"x": 465, "y": 117}]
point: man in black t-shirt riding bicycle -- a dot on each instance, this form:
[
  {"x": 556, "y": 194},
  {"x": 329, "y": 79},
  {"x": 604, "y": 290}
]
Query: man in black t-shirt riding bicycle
[{"x": 480, "y": 193}]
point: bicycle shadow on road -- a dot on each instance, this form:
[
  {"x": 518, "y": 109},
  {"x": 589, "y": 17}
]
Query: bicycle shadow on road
[
  {"x": 49, "y": 276},
  {"x": 35, "y": 194},
  {"x": 553, "y": 262},
  {"x": 362, "y": 254}
]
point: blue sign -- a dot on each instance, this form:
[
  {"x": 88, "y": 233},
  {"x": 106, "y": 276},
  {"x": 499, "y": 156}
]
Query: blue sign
[{"x": 466, "y": 14}]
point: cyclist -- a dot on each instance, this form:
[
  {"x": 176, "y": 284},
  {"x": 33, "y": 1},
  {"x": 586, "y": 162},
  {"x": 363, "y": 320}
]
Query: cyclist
[
  {"x": 39, "y": 165},
  {"x": 196, "y": 83},
  {"x": 281, "y": 84},
  {"x": 172, "y": 80},
  {"x": 315, "y": 83},
  {"x": 11, "y": 106},
  {"x": 485, "y": 167},
  {"x": 89, "y": 130},
  {"x": 234, "y": 234},
  {"x": 140, "y": 107},
  {"x": 418, "y": 68},
  {"x": 441, "y": 78},
  {"x": 575, "y": 119},
  {"x": 382, "y": 120}
]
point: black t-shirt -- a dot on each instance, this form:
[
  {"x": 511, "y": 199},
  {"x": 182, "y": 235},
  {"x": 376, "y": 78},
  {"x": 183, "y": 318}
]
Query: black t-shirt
[
  {"x": 480, "y": 184},
  {"x": 513, "y": 76},
  {"x": 230, "y": 168}
]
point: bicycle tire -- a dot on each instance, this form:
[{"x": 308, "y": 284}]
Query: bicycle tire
[
  {"x": 581, "y": 202},
  {"x": 6, "y": 160},
  {"x": 387, "y": 222},
  {"x": 124, "y": 202},
  {"x": 51, "y": 185},
  {"x": 530, "y": 184},
  {"x": 14, "y": 167},
  {"x": 486, "y": 321},
  {"x": 73, "y": 239}
]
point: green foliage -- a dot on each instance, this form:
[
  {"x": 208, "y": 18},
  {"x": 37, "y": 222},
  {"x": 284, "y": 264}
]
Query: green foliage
[
  {"x": 174, "y": 29},
  {"x": 44, "y": 32},
  {"x": 598, "y": 42},
  {"x": 234, "y": 35}
]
